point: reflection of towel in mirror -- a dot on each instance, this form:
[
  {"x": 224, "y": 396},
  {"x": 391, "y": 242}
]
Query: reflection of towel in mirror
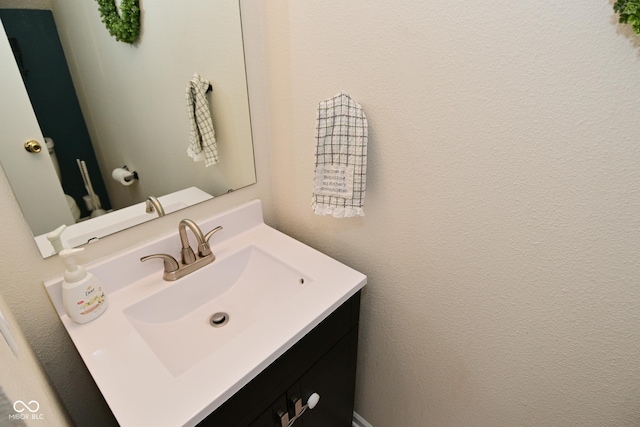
[
  {"x": 341, "y": 158},
  {"x": 202, "y": 141}
]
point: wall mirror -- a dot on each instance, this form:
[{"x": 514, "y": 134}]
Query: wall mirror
[{"x": 110, "y": 104}]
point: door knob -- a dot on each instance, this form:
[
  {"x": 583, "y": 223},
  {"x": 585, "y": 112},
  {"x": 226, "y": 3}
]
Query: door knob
[{"x": 33, "y": 146}]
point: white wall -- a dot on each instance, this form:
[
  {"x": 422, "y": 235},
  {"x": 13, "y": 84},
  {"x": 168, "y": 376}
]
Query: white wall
[{"x": 502, "y": 231}]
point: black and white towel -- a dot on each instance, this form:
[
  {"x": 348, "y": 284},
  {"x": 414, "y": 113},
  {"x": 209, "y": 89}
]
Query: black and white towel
[
  {"x": 202, "y": 140},
  {"x": 341, "y": 158}
]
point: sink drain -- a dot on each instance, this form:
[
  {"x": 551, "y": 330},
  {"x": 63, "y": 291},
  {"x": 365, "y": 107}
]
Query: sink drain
[{"x": 219, "y": 319}]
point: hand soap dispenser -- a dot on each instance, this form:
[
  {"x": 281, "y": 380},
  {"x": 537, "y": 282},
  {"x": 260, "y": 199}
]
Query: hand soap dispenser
[{"x": 83, "y": 295}]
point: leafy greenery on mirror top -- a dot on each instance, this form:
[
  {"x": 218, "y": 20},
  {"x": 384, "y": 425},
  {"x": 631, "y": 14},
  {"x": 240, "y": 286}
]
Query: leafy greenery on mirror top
[
  {"x": 629, "y": 11},
  {"x": 124, "y": 26}
]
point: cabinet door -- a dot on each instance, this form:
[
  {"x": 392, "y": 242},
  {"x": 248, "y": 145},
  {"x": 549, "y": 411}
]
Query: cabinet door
[{"x": 333, "y": 379}]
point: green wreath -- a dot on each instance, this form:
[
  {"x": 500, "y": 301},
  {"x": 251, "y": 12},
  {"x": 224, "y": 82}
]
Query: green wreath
[
  {"x": 629, "y": 11},
  {"x": 124, "y": 26}
]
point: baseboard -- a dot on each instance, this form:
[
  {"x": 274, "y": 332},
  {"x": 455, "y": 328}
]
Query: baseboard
[{"x": 358, "y": 421}]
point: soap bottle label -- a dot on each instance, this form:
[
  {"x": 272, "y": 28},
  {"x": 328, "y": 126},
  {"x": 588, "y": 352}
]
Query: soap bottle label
[{"x": 94, "y": 298}]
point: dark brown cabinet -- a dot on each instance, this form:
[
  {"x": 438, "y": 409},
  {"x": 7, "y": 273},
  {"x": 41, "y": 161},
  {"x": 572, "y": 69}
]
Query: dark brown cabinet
[{"x": 322, "y": 362}]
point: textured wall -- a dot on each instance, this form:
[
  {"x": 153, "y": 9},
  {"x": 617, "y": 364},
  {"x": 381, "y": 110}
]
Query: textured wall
[
  {"x": 22, "y": 378},
  {"x": 502, "y": 226}
]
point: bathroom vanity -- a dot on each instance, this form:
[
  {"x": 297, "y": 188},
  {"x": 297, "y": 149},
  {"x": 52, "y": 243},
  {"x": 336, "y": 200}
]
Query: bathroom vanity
[
  {"x": 161, "y": 354},
  {"x": 323, "y": 362}
]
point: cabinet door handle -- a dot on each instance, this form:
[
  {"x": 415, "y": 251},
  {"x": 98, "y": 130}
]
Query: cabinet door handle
[
  {"x": 284, "y": 418},
  {"x": 312, "y": 401},
  {"x": 297, "y": 406}
]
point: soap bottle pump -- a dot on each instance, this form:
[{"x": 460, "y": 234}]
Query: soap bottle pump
[
  {"x": 55, "y": 240},
  {"x": 83, "y": 295}
]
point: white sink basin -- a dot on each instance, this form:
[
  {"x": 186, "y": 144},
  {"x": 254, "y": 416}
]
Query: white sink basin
[
  {"x": 154, "y": 354},
  {"x": 245, "y": 287}
]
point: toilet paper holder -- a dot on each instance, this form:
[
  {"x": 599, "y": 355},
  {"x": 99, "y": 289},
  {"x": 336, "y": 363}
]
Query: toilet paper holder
[
  {"x": 134, "y": 174},
  {"x": 124, "y": 176}
]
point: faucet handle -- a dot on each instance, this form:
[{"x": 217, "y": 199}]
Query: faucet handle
[
  {"x": 170, "y": 263},
  {"x": 204, "y": 249}
]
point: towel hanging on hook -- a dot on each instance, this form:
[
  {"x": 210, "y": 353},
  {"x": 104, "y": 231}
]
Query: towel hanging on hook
[
  {"x": 341, "y": 158},
  {"x": 202, "y": 141}
]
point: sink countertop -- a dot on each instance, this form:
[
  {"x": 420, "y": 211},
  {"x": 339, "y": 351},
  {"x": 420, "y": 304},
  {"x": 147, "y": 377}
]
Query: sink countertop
[{"x": 138, "y": 387}]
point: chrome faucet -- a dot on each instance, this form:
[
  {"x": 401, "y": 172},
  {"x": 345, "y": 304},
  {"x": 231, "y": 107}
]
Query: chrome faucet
[
  {"x": 189, "y": 261},
  {"x": 153, "y": 204}
]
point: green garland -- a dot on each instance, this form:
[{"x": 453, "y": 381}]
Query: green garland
[
  {"x": 629, "y": 11},
  {"x": 124, "y": 26}
]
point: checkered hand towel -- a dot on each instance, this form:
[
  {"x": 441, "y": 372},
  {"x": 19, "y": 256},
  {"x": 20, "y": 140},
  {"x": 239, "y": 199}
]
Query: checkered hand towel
[
  {"x": 202, "y": 140},
  {"x": 341, "y": 158}
]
